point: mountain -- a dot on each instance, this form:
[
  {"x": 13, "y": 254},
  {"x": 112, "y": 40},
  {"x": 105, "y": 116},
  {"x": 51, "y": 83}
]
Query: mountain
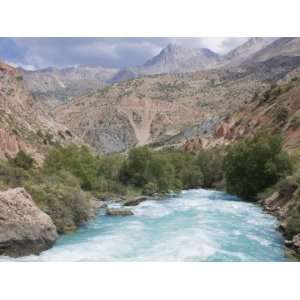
[
  {"x": 286, "y": 46},
  {"x": 154, "y": 109},
  {"x": 172, "y": 59},
  {"x": 56, "y": 85},
  {"x": 177, "y": 59},
  {"x": 61, "y": 85},
  {"x": 240, "y": 54},
  {"x": 25, "y": 123}
]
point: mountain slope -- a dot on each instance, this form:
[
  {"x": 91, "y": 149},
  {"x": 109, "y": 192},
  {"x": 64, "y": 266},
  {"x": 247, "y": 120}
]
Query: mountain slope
[
  {"x": 54, "y": 85},
  {"x": 286, "y": 46},
  {"x": 240, "y": 54},
  {"x": 25, "y": 124},
  {"x": 155, "y": 108},
  {"x": 277, "y": 110}
]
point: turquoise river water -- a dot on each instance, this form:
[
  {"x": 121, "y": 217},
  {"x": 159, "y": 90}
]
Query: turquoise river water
[{"x": 195, "y": 225}]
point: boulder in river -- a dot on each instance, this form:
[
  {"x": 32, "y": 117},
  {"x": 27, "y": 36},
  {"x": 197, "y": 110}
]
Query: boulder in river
[
  {"x": 98, "y": 204},
  {"x": 296, "y": 242},
  {"x": 135, "y": 201},
  {"x": 119, "y": 212},
  {"x": 24, "y": 228}
]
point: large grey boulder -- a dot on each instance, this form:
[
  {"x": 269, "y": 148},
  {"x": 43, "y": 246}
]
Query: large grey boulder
[
  {"x": 119, "y": 212},
  {"x": 24, "y": 228}
]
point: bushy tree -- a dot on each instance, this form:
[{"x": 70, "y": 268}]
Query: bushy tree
[
  {"x": 255, "y": 163},
  {"x": 150, "y": 189},
  {"x": 79, "y": 161},
  {"x": 145, "y": 166},
  {"x": 135, "y": 169},
  {"x": 108, "y": 166},
  {"x": 210, "y": 163},
  {"x": 187, "y": 173}
]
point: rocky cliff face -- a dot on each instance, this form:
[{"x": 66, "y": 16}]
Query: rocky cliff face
[
  {"x": 25, "y": 123},
  {"x": 24, "y": 228}
]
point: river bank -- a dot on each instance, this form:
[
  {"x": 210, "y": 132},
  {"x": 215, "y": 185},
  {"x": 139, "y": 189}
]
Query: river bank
[{"x": 278, "y": 206}]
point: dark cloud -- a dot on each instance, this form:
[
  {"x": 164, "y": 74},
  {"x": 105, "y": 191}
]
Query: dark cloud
[{"x": 107, "y": 52}]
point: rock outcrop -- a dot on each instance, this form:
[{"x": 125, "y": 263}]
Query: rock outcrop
[
  {"x": 296, "y": 242},
  {"x": 135, "y": 201},
  {"x": 24, "y": 228},
  {"x": 119, "y": 212}
]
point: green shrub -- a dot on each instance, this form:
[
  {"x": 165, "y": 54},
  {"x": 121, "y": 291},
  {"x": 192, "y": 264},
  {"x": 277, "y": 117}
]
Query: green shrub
[
  {"x": 12, "y": 176},
  {"x": 23, "y": 160},
  {"x": 295, "y": 122},
  {"x": 281, "y": 114},
  {"x": 253, "y": 164},
  {"x": 150, "y": 188},
  {"x": 79, "y": 161},
  {"x": 65, "y": 203},
  {"x": 272, "y": 93}
]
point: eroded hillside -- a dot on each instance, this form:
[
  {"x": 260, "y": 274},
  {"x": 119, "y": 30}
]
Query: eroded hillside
[
  {"x": 158, "y": 107},
  {"x": 277, "y": 110},
  {"x": 25, "y": 124}
]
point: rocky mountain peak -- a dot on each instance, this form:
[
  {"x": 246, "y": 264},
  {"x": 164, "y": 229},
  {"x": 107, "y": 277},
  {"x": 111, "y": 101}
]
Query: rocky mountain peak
[{"x": 176, "y": 58}]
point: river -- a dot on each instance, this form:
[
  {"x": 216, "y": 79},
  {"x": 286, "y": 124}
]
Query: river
[{"x": 195, "y": 225}]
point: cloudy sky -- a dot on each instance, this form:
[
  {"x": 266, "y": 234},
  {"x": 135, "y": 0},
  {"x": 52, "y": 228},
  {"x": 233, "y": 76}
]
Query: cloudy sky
[{"x": 37, "y": 53}]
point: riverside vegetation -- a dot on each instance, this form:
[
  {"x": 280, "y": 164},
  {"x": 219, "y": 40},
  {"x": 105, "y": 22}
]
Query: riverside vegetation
[{"x": 72, "y": 176}]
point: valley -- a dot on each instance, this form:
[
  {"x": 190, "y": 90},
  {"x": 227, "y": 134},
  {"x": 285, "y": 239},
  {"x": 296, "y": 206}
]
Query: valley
[{"x": 80, "y": 138}]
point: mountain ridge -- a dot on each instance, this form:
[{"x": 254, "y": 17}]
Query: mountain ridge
[{"x": 59, "y": 85}]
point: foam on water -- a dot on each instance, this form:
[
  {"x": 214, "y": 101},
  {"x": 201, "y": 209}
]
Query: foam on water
[{"x": 196, "y": 225}]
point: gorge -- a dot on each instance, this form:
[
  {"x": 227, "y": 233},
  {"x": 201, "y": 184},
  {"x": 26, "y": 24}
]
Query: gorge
[{"x": 188, "y": 122}]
